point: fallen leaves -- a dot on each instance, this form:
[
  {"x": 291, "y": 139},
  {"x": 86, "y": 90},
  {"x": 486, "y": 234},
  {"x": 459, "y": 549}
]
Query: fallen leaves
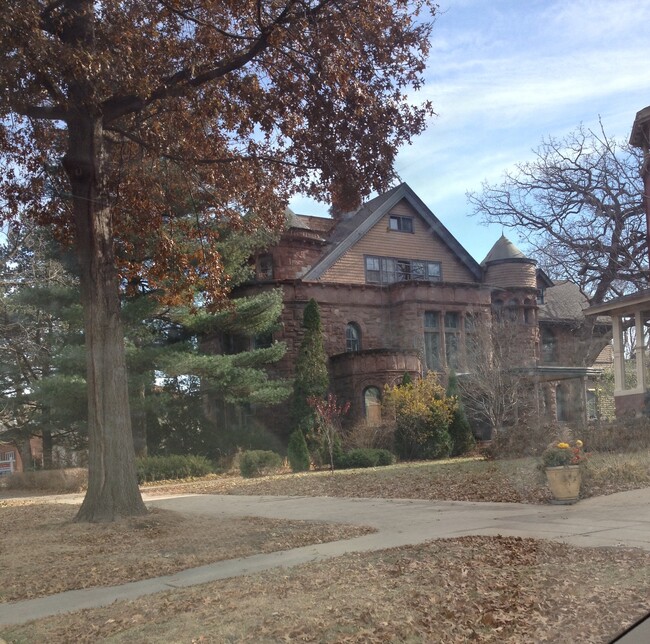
[{"x": 43, "y": 552}]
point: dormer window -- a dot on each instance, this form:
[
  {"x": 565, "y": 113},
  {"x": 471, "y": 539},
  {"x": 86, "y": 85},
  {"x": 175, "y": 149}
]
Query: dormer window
[
  {"x": 401, "y": 224},
  {"x": 540, "y": 295}
]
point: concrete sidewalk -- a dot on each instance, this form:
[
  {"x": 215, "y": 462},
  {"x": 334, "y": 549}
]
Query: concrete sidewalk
[{"x": 618, "y": 520}]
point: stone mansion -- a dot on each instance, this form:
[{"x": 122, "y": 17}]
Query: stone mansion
[{"x": 398, "y": 293}]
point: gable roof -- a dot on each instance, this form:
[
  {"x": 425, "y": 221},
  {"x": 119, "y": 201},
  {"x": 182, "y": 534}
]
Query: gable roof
[{"x": 353, "y": 226}]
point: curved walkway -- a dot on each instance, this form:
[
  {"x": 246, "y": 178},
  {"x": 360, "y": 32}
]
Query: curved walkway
[{"x": 617, "y": 520}]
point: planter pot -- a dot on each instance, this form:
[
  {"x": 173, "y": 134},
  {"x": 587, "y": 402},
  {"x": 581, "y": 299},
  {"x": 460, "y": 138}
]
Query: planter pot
[{"x": 564, "y": 482}]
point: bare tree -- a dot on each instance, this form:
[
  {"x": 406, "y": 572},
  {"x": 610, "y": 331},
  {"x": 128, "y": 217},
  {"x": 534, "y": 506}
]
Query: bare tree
[
  {"x": 494, "y": 389},
  {"x": 579, "y": 206}
]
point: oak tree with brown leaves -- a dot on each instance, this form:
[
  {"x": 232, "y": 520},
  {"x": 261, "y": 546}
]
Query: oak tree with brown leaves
[{"x": 117, "y": 117}]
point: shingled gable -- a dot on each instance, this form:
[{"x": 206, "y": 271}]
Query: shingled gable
[{"x": 353, "y": 227}]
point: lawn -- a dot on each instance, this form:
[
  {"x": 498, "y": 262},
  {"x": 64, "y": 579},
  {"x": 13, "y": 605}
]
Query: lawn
[
  {"x": 512, "y": 480},
  {"x": 474, "y": 588}
]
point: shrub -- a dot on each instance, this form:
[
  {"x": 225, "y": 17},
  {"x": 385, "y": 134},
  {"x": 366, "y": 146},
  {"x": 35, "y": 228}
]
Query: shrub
[
  {"x": 365, "y": 457},
  {"x": 384, "y": 457},
  {"x": 175, "y": 466},
  {"x": 524, "y": 440},
  {"x": 622, "y": 435},
  {"x": 362, "y": 434},
  {"x": 422, "y": 414},
  {"x": 59, "y": 481},
  {"x": 460, "y": 432},
  {"x": 259, "y": 462},
  {"x": 297, "y": 452}
]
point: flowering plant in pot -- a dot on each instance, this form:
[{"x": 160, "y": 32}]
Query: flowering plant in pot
[
  {"x": 561, "y": 461},
  {"x": 562, "y": 453}
]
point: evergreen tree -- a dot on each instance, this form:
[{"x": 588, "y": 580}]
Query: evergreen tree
[
  {"x": 460, "y": 431},
  {"x": 175, "y": 360},
  {"x": 311, "y": 377},
  {"x": 41, "y": 390},
  {"x": 297, "y": 452}
]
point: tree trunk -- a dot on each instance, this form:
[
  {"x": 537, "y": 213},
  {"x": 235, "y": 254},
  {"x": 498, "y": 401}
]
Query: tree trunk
[
  {"x": 112, "y": 483},
  {"x": 46, "y": 436}
]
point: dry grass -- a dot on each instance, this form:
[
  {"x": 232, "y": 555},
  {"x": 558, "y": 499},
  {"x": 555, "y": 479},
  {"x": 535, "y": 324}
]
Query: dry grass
[
  {"x": 51, "y": 481},
  {"x": 43, "y": 552},
  {"x": 513, "y": 480},
  {"x": 458, "y": 590}
]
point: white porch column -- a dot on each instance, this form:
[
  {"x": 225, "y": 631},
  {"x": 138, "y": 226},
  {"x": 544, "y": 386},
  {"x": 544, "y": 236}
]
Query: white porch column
[
  {"x": 619, "y": 362},
  {"x": 640, "y": 350}
]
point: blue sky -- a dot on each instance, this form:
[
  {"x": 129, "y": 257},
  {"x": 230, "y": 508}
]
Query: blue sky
[{"x": 502, "y": 75}]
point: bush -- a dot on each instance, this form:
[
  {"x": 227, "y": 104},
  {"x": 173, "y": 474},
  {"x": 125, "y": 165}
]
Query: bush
[
  {"x": 365, "y": 457},
  {"x": 362, "y": 434},
  {"x": 297, "y": 452},
  {"x": 524, "y": 440},
  {"x": 59, "y": 481},
  {"x": 162, "y": 468},
  {"x": 460, "y": 432},
  {"x": 622, "y": 435},
  {"x": 422, "y": 414},
  {"x": 259, "y": 462}
]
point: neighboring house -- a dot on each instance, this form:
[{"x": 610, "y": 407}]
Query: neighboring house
[
  {"x": 630, "y": 314},
  {"x": 11, "y": 459},
  {"x": 398, "y": 293}
]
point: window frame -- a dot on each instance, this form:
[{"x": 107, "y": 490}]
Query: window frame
[
  {"x": 403, "y": 224},
  {"x": 352, "y": 344},
  {"x": 389, "y": 270}
]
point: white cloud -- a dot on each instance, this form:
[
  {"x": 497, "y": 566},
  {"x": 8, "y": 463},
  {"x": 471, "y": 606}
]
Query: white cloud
[{"x": 505, "y": 73}]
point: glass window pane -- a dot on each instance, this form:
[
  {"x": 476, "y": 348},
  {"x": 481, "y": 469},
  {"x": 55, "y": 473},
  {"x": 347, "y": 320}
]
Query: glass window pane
[
  {"x": 452, "y": 320},
  {"x": 431, "y": 319},
  {"x": 451, "y": 348},
  {"x": 432, "y": 350},
  {"x": 433, "y": 270},
  {"x": 418, "y": 271}
]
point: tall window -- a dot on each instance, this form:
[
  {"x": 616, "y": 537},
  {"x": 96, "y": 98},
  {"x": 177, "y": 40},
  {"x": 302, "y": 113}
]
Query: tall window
[
  {"x": 401, "y": 224},
  {"x": 372, "y": 405},
  {"x": 352, "y": 338},
  {"x": 472, "y": 321},
  {"x": 452, "y": 339},
  {"x": 562, "y": 403},
  {"x": 549, "y": 346},
  {"x": 432, "y": 351}
]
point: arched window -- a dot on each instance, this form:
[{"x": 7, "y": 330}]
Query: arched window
[
  {"x": 372, "y": 405},
  {"x": 352, "y": 337},
  {"x": 549, "y": 346}
]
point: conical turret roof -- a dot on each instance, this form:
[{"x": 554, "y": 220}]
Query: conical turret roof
[{"x": 503, "y": 250}]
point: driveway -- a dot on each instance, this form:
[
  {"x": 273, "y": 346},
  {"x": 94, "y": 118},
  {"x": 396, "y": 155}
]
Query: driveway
[{"x": 617, "y": 520}]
